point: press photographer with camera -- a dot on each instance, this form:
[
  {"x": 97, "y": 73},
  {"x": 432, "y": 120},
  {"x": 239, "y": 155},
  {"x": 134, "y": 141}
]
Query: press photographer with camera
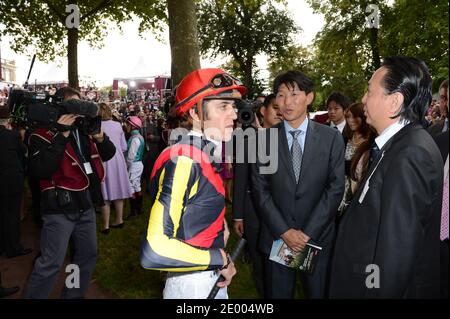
[
  {"x": 246, "y": 218},
  {"x": 67, "y": 159}
]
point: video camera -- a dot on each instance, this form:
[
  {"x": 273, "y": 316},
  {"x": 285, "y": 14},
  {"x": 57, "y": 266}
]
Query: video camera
[
  {"x": 246, "y": 112},
  {"x": 41, "y": 110}
]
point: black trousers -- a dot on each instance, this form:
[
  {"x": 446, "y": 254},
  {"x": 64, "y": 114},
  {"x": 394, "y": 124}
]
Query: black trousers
[
  {"x": 280, "y": 280},
  {"x": 33, "y": 184},
  {"x": 256, "y": 257},
  {"x": 444, "y": 269},
  {"x": 10, "y": 223}
]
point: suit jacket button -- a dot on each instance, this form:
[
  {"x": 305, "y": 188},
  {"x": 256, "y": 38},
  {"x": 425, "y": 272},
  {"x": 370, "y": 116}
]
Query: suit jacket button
[{"x": 293, "y": 219}]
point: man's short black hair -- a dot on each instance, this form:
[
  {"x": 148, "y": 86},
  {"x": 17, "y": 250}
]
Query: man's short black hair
[
  {"x": 289, "y": 79},
  {"x": 411, "y": 78},
  {"x": 340, "y": 99}
]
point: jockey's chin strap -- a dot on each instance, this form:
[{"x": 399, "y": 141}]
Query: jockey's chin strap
[{"x": 200, "y": 114}]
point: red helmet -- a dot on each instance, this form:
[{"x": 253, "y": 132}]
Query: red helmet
[
  {"x": 134, "y": 121},
  {"x": 205, "y": 83}
]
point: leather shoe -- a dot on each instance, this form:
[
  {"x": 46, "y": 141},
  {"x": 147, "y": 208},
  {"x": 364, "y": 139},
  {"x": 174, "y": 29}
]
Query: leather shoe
[
  {"x": 117, "y": 225},
  {"x": 105, "y": 231},
  {"x": 5, "y": 292},
  {"x": 22, "y": 252}
]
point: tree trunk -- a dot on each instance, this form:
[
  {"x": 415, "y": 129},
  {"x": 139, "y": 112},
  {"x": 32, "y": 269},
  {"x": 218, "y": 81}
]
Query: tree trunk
[
  {"x": 248, "y": 79},
  {"x": 183, "y": 38},
  {"x": 374, "y": 47},
  {"x": 72, "y": 57}
]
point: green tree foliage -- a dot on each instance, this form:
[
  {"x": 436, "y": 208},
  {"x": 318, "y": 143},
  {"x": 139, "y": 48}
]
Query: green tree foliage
[
  {"x": 122, "y": 92},
  {"x": 297, "y": 57},
  {"x": 242, "y": 29},
  {"x": 40, "y": 26},
  {"x": 420, "y": 29},
  {"x": 293, "y": 58},
  {"x": 346, "y": 51},
  {"x": 232, "y": 67}
]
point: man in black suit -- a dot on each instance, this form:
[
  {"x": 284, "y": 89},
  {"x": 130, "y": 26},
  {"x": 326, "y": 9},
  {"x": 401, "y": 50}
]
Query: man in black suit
[
  {"x": 441, "y": 125},
  {"x": 337, "y": 104},
  {"x": 388, "y": 240},
  {"x": 245, "y": 217},
  {"x": 11, "y": 187},
  {"x": 298, "y": 201}
]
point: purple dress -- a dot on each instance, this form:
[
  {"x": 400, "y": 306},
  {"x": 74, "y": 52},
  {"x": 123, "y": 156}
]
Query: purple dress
[{"x": 116, "y": 184}]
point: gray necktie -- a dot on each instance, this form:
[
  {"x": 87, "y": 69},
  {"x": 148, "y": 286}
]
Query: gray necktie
[
  {"x": 445, "y": 127},
  {"x": 296, "y": 153}
]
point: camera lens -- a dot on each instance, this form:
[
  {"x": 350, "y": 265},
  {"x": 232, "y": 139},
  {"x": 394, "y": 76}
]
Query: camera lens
[{"x": 245, "y": 116}]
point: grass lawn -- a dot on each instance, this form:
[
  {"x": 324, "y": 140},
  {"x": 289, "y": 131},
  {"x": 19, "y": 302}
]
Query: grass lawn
[{"x": 118, "y": 268}]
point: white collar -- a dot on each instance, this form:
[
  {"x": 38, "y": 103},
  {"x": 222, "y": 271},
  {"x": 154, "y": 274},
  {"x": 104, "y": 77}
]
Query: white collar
[
  {"x": 302, "y": 127},
  {"x": 198, "y": 134},
  {"x": 217, "y": 144},
  {"x": 389, "y": 132},
  {"x": 340, "y": 126}
]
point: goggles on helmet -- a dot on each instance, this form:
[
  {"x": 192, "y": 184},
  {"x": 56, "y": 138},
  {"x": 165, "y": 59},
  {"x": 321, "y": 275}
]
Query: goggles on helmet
[{"x": 222, "y": 80}]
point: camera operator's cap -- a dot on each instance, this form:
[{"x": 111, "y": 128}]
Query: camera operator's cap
[
  {"x": 206, "y": 84},
  {"x": 135, "y": 121}
]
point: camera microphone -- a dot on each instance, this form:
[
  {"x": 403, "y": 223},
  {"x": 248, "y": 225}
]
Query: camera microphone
[{"x": 80, "y": 107}]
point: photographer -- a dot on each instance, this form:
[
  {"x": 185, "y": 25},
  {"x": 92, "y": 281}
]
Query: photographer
[
  {"x": 246, "y": 218},
  {"x": 68, "y": 165}
]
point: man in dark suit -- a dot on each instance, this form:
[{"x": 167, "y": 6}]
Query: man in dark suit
[
  {"x": 441, "y": 125},
  {"x": 442, "y": 142},
  {"x": 11, "y": 187},
  {"x": 298, "y": 201},
  {"x": 246, "y": 220},
  {"x": 337, "y": 104},
  {"x": 388, "y": 240}
]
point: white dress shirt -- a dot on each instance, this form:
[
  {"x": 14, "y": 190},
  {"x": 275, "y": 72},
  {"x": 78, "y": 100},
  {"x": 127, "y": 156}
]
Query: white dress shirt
[
  {"x": 389, "y": 132},
  {"x": 340, "y": 126}
]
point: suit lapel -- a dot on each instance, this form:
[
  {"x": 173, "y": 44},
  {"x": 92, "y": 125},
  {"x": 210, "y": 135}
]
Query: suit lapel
[
  {"x": 284, "y": 152},
  {"x": 385, "y": 149},
  {"x": 309, "y": 150}
]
